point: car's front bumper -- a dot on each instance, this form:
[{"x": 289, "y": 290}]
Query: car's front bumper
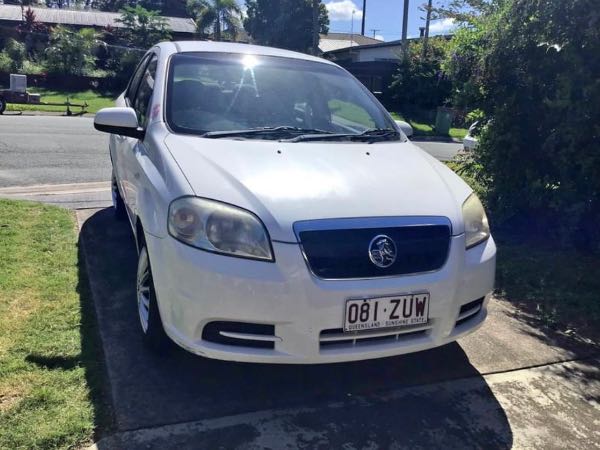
[{"x": 195, "y": 287}]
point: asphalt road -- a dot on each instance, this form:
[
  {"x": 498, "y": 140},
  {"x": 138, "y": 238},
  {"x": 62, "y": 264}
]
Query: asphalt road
[
  {"x": 51, "y": 150},
  {"x": 444, "y": 151},
  {"x": 58, "y": 150}
]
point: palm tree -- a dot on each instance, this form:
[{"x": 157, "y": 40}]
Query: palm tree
[{"x": 217, "y": 16}]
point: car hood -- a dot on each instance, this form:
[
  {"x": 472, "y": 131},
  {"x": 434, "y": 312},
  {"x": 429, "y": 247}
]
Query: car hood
[{"x": 288, "y": 182}]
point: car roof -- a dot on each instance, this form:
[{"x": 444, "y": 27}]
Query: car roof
[{"x": 229, "y": 47}]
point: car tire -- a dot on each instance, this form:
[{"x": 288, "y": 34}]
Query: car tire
[
  {"x": 2, "y": 105},
  {"x": 151, "y": 326},
  {"x": 117, "y": 200}
]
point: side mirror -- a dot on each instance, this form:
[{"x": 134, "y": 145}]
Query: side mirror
[
  {"x": 405, "y": 127},
  {"x": 121, "y": 121}
]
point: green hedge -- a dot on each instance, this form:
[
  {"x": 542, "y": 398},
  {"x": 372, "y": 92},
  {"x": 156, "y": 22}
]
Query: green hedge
[{"x": 539, "y": 156}]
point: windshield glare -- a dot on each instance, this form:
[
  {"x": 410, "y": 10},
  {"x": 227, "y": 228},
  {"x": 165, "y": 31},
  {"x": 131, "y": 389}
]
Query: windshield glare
[{"x": 210, "y": 92}]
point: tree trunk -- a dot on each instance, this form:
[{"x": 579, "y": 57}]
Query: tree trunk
[
  {"x": 427, "y": 22},
  {"x": 218, "y": 27}
]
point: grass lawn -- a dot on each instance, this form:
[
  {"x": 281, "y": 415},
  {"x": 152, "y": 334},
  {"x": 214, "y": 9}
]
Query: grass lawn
[
  {"x": 425, "y": 129},
  {"x": 95, "y": 100},
  {"x": 50, "y": 363}
]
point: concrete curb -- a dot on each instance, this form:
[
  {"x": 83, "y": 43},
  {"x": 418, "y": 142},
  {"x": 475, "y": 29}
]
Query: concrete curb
[
  {"x": 71, "y": 196},
  {"x": 56, "y": 189},
  {"x": 45, "y": 113}
]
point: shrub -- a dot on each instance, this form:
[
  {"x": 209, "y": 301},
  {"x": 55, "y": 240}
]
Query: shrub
[
  {"x": 420, "y": 82},
  {"x": 71, "y": 52},
  {"x": 13, "y": 57},
  {"x": 539, "y": 155}
]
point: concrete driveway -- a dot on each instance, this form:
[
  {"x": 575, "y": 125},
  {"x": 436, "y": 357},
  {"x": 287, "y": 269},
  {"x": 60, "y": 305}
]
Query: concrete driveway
[{"x": 508, "y": 385}]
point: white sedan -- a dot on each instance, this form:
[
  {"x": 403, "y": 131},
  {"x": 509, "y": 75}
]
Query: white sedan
[{"x": 282, "y": 216}]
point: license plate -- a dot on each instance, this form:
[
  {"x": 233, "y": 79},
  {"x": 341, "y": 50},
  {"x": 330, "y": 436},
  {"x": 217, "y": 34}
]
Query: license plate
[{"x": 386, "y": 312}]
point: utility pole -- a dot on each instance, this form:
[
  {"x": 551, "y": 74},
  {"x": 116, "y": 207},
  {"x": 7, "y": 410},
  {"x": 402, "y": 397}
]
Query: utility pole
[
  {"x": 315, "y": 24},
  {"x": 427, "y": 21},
  {"x": 405, "y": 30},
  {"x": 362, "y": 30},
  {"x": 375, "y": 30}
]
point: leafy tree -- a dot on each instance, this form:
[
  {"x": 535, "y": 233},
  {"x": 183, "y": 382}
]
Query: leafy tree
[
  {"x": 110, "y": 5},
  {"x": 469, "y": 11},
  {"x": 537, "y": 72},
  {"x": 71, "y": 52},
  {"x": 284, "y": 23},
  {"x": 13, "y": 57},
  {"x": 420, "y": 81},
  {"x": 469, "y": 46},
  {"x": 125, "y": 46},
  {"x": 464, "y": 62},
  {"x": 110, "y": 51},
  {"x": 142, "y": 28},
  {"x": 217, "y": 17},
  {"x": 32, "y": 32},
  {"x": 175, "y": 8}
]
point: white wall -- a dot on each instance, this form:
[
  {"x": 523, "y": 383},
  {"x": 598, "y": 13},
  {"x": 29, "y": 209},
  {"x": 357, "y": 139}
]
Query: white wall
[{"x": 379, "y": 53}]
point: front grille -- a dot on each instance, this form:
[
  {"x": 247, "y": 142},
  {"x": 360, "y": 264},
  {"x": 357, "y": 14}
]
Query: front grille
[
  {"x": 240, "y": 334},
  {"x": 337, "y": 338},
  {"x": 339, "y": 254}
]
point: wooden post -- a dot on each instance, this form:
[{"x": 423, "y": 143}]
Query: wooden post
[
  {"x": 405, "y": 29},
  {"x": 364, "y": 14},
  {"x": 315, "y": 24}
]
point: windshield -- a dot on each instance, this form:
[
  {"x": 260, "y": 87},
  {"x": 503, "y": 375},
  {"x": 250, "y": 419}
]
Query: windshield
[{"x": 219, "y": 92}]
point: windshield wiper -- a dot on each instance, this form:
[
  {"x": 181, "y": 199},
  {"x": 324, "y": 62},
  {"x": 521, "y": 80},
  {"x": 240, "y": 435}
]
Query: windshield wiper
[
  {"x": 370, "y": 135},
  {"x": 379, "y": 132},
  {"x": 263, "y": 131}
]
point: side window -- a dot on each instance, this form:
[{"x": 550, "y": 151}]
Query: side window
[
  {"x": 135, "y": 80},
  {"x": 144, "y": 93}
]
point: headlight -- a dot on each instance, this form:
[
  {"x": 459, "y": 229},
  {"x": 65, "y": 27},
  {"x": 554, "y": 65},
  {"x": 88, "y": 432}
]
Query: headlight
[
  {"x": 219, "y": 227},
  {"x": 477, "y": 228}
]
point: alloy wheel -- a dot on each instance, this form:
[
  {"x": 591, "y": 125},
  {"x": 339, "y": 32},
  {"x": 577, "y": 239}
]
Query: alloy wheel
[{"x": 144, "y": 282}]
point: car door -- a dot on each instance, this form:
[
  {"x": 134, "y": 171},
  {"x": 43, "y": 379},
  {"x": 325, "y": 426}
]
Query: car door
[
  {"x": 132, "y": 148},
  {"x": 119, "y": 144}
]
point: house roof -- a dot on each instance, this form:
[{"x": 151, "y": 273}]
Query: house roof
[
  {"x": 336, "y": 41},
  {"x": 86, "y": 18},
  {"x": 379, "y": 44},
  {"x": 397, "y": 43}
]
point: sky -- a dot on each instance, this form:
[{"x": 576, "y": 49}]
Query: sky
[{"x": 385, "y": 16}]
